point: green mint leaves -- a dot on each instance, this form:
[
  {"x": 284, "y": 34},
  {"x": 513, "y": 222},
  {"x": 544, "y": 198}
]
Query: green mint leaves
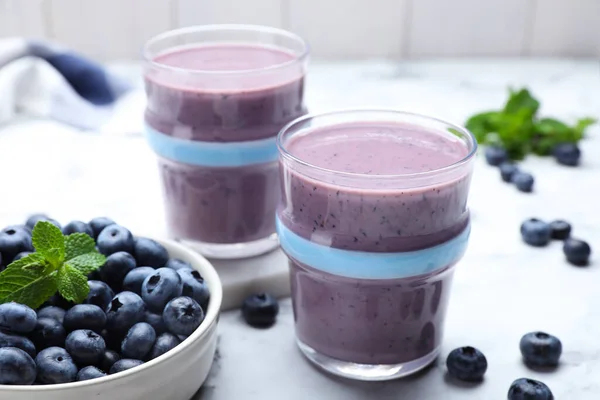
[
  {"x": 518, "y": 128},
  {"x": 60, "y": 263}
]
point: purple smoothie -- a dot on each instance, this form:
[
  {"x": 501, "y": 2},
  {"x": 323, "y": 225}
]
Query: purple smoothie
[
  {"x": 373, "y": 321},
  {"x": 222, "y": 93}
]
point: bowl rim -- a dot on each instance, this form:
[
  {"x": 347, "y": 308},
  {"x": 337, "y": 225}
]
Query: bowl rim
[{"x": 208, "y": 272}]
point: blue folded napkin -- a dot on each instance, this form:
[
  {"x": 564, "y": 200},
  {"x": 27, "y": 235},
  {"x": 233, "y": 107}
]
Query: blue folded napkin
[{"x": 44, "y": 79}]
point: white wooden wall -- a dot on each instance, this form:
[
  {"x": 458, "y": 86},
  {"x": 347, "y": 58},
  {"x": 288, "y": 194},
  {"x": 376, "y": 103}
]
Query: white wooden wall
[{"x": 116, "y": 29}]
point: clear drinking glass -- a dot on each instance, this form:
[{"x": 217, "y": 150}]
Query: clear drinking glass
[
  {"x": 217, "y": 97},
  {"x": 372, "y": 253}
]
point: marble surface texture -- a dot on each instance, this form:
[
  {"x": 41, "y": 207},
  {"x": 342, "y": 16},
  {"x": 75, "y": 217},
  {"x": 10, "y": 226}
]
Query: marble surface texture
[{"x": 502, "y": 288}]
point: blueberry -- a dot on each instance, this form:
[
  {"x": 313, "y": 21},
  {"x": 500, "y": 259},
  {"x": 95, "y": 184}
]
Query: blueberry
[
  {"x": 540, "y": 349},
  {"x": 135, "y": 278},
  {"x": 161, "y": 287},
  {"x": 108, "y": 359},
  {"x": 116, "y": 267},
  {"x": 125, "y": 310},
  {"x": 14, "y": 240},
  {"x": 495, "y": 155},
  {"x": 34, "y": 219},
  {"x": 89, "y": 372},
  {"x": 124, "y": 364},
  {"x": 139, "y": 341},
  {"x": 466, "y": 364},
  {"x": 567, "y": 154},
  {"x": 529, "y": 389},
  {"x": 115, "y": 238},
  {"x": 523, "y": 181},
  {"x": 85, "y": 316},
  {"x": 560, "y": 230},
  {"x": 183, "y": 315},
  {"x": 577, "y": 252},
  {"x": 55, "y": 365},
  {"x": 85, "y": 346},
  {"x": 17, "y": 317},
  {"x": 194, "y": 286},
  {"x": 18, "y": 368},
  {"x": 77, "y": 227},
  {"x": 156, "y": 320},
  {"x": 164, "y": 343},
  {"x": 54, "y": 312},
  {"x": 507, "y": 170},
  {"x": 98, "y": 225},
  {"x": 8, "y": 339},
  {"x": 260, "y": 310},
  {"x": 48, "y": 333},
  {"x": 22, "y": 254},
  {"x": 535, "y": 232},
  {"x": 149, "y": 252},
  {"x": 177, "y": 264},
  {"x": 100, "y": 294}
]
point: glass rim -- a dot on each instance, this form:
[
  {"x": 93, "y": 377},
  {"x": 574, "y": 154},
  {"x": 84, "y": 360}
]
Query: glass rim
[
  {"x": 302, "y": 56},
  {"x": 390, "y": 111}
]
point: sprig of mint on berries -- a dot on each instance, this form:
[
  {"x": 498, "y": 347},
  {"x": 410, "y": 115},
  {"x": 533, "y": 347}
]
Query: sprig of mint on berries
[
  {"x": 60, "y": 263},
  {"x": 518, "y": 128}
]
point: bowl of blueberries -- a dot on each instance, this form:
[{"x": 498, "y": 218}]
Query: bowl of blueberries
[{"x": 88, "y": 310}]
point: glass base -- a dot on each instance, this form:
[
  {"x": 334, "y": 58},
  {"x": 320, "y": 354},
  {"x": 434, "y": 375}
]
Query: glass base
[
  {"x": 227, "y": 251},
  {"x": 366, "y": 372}
]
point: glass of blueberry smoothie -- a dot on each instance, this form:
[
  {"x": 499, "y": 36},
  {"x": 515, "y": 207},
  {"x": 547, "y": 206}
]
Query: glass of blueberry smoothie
[
  {"x": 217, "y": 97},
  {"x": 373, "y": 219}
]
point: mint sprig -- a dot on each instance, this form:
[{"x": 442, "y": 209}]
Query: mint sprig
[{"x": 60, "y": 263}]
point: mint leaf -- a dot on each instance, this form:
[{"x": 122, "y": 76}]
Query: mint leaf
[
  {"x": 72, "y": 284},
  {"x": 29, "y": 287},
  {"x": 87, "y": 263},
  {"x": 483, "y": 123},
  {"x": 33, "y": 259},
  {"x": 49, "y": 241},
  {"x": 77, "y": 244},
  {"x": 581, "y": 126},
  {"x": 521, "y": 101}
]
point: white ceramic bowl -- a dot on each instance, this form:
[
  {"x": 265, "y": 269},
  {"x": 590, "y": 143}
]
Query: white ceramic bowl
[{"x": 176, "y": 375}]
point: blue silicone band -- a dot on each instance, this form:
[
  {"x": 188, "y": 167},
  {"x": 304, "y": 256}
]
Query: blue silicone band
[
  {"x": 212, "y": 154},
  {"x": 369, "y": 265}
]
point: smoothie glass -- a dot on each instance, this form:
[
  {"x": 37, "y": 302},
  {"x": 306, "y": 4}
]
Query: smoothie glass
[
  {"x": 373, "y": 219},
  {"x": 217, "y": 97}
]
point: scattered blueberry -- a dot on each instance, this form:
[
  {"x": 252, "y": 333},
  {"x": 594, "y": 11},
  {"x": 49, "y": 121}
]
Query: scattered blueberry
[
  {"x": 507, "y": 170},
  {"x": 125, "y": 310},
  {"x": 495, "y": 155},
  {"x": 194, "y": 286},
  {"x": 161, "y": 287},
  {"x": 34, "y": 219},
  {"x": 98, "y": 225},
  {"x": 48, "y": 333},
  {"x": 100, "y": 294},
  {"x": 85, "y": 346},
  {"x": 108, "y": 359},
  {"x": 466, "y": 364},
  {"x": 85, "y": 316},
  {"x": 135, "y": 278},
  {"x": 567, "y": 154},
  {"x": 177, "y": 264},
  {"x": 529, "y": 389},
  {"x": 540, "y": 349},
  {"x": 17, "y": 317},
  {"x": 577, "y": 252},
  {"x": 115, "y": 238},
  {"x": 124, "y": 364},
  {"x": 14, "y": 240},
  {"x": 17, "y": 367},
  {"x": 55, "y": 365},
  {"x": 523, "y": 181},
  {"x": 156, "y": 320},
  {"x": 52, "y": 312},
  {"x": 89, "y": 372},
  {"x": 77, "y": 227},
  {"x": 22, "y": 254},
  {"x": 139, "y": 341},
  {"x": 8, "y": 339},
  {"x": 116, "y": 267},
  {"x": 560, "y": 230},
  {"x": 149, "y": 252},
  {"x": 164, "y": 343},
  {"x": 535, "y": 232},
  {"x": 183, "y": 315},
  {"x": 260, "y": 310}
]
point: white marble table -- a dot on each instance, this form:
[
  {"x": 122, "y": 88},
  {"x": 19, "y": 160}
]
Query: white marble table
[{"x": 502, "y": 289}]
